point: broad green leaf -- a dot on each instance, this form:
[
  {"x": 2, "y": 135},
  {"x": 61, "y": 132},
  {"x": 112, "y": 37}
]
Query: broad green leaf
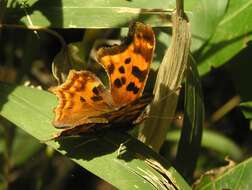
[
  {"x": 212, "y": 140},
  {"x": 205, "y": 17},
  {"x": 238, "y": 177},
  {"x": 247, "y": 109},
  {"x": 190, "y": 139},
  {"x": 114, "y": 14},
  {"x": 115, "y": 157},
  {"x": 232, "y": 34},
  {"x": 88, "y": 13}
]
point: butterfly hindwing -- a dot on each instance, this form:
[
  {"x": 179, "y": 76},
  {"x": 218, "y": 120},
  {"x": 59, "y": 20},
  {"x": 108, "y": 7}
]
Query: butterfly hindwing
[{"x": 82, "y": 99}]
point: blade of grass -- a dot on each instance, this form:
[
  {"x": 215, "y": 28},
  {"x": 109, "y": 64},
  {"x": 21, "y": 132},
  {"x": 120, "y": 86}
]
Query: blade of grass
[
  {"x": 190, "y": 140},
  {"x": 169, "y": 78},
  {"x": 86, "y": 14}
]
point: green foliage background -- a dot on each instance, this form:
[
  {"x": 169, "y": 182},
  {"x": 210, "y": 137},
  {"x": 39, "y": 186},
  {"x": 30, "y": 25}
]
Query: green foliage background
[{"x": 221, "y": 46}]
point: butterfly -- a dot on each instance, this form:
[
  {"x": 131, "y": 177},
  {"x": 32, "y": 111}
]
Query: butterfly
[{"x": 86, "y": 105}]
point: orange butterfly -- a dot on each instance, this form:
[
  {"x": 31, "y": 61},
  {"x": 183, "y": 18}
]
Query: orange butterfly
[{"x": 84, "y": 102}]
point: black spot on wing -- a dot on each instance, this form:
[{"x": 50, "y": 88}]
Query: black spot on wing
[
  {"x": 111, "y": 68},
  {"x": 98, "y": 89},
  {"x": 135, "y": 91},
  {"x": 138, "y": 73},
  {"x": 95, "y": 90},
  {"x": 96, "y": 98},
  {"x": 132, "y": 87},
  {"x": 82, "y": 99},
  {"x": 118, "y": 83},
  {"x": 127, "y": 61},
  {"x": 121, "y": 69}
]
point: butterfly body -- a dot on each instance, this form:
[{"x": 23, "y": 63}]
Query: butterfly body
[
  {"x": 124, "y": 117},
  {"x": 84, "y": 102},
  {"x": 129, "y": 113}
]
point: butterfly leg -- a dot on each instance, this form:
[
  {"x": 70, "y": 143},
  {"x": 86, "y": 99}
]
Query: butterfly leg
[
  {"x": 143, "y": 116},
  {"x": 122, "y": 148}
]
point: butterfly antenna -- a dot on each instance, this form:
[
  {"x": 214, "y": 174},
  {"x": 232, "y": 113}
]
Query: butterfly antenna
[
  {"x": 25, "y": 6},
  {"x": 179, "y": 117}
]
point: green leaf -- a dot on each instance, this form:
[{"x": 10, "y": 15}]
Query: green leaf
[
  {"x": 212, "y": 140},
  {"x": 113, "y": 156},
  {"x": 190, "y": 139},
  {"x": 238, "y": 177},
  {"x": 247, "y": 109},
  {"x": 205, "y": 17},
  {"x": 231, "y": 36},
  {"x": 87, "y": 13}
]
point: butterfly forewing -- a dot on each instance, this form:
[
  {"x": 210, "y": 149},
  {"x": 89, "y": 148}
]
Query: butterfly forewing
[{"x": 128, "y": 65}]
